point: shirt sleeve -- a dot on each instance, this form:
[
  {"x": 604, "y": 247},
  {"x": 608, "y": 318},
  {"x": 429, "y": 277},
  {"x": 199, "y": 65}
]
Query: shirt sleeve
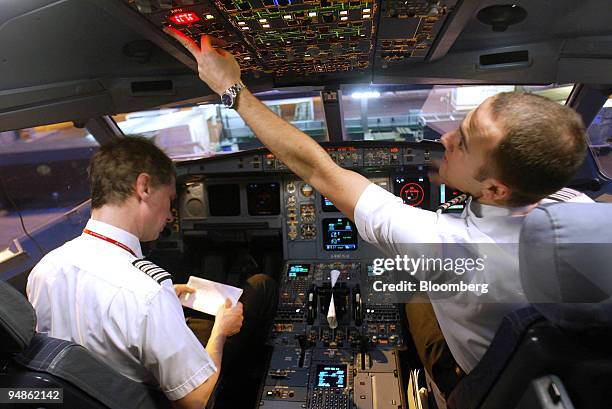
[
  {"x": 383, "y": 219},
  {"x": 37, "y": 293},
  {"x": 171, "y": 351}
]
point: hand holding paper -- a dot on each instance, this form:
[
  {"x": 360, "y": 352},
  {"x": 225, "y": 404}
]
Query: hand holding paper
[{"x": 208, "y": 295}]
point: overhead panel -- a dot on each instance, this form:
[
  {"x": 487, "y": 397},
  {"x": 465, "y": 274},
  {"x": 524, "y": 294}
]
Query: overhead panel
[
  {"x": 408, "y": 29},
  {"x": 287, "y": 38}
]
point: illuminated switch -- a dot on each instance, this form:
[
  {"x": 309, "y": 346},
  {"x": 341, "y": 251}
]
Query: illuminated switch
[{"x": 182, "y": 19}]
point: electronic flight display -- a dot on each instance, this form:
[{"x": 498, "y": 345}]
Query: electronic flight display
[
  {"x": 224, "y": 200},
  {"x": 263, "y": 199},
  {"x": 327, "y": 205},
  {"x": 331, "y": 376},
  {"x": 339, "y": 234},
  {"x": 414, "y": 190},
  {"x": 298, "y": 270}
]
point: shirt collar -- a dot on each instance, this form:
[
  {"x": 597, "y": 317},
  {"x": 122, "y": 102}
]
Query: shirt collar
[
  {"x": 479, "y": 210},
  {"x": 116, "y": 233}
]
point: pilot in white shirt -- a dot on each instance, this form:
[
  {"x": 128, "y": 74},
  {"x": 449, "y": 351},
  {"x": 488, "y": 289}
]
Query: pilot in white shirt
[
  {"x": 467, "y": 320},
  {"x": 97, "y": 291}
]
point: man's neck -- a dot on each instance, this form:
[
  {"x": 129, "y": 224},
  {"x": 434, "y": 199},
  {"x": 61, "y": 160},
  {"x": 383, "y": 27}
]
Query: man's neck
[
  {"x": 122, "y": 217},
  {"x": 520, "y": 209}
]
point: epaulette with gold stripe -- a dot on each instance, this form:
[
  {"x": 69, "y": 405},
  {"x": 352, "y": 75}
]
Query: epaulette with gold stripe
[{"x": 152, "y": 270}]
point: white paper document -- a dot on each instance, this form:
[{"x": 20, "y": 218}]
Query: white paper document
[{"x": 209, "y": 295}]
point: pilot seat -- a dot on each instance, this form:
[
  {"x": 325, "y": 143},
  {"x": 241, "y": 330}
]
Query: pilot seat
[
  {"x": 32, "y": 360},
  {"x": 557, "y": 352}
]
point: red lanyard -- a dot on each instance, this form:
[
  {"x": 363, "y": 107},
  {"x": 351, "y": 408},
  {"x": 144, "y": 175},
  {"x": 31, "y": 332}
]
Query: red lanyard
[{"x": 115, "y": 242}]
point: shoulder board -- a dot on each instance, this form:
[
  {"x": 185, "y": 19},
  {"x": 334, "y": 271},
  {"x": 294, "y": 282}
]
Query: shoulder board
[
  {"x": 152, "y": 270},
  {"x": 564, "y": 195}
]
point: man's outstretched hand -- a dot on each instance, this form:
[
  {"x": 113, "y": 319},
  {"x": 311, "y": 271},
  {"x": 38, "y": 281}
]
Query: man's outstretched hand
[{"x": 216, "y": 67}]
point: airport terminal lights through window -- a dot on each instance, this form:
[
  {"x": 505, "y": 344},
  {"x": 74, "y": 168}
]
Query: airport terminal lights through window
[
  {"x": 413, "y": 113},
  {"x": 600, "y": 138},
  {"x": 44, "y": 172}
]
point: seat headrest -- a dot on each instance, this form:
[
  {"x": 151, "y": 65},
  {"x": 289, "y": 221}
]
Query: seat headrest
[
  {"x": 565, "y": 259},
  {"x": 17, "y": 320}
]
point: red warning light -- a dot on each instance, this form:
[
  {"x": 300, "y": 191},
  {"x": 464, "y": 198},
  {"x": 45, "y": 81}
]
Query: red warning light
[{"x": 184, "y": 18}]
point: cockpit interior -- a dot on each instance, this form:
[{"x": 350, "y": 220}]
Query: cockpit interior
[{"x": 376, "y": 83}]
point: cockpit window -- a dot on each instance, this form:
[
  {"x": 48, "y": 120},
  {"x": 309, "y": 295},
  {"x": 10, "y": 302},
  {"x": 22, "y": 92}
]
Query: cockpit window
[
  {"x": 414, "y": 113},
  {"x": 600, "y": 138},
  {"x": 43, "y": 173},
  {"x": 202, "y": 130}
]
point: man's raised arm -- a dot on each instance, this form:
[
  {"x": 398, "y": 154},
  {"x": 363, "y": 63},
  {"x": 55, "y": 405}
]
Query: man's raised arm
[{"x": 305, "y": 157}]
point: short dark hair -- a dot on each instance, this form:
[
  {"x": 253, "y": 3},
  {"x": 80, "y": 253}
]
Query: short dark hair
[
  {"x": 543, "y": 146},
  {"x": 114, "y": 168}
]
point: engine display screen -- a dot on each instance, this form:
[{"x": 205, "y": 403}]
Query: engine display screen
[
  {"x": 263, "y": 199},
  {"x": 331, "y": 376},
  {"x": 447, "y": 193},
  {"x": 414, "y": 190},
  {"x": 327, "y": 205},
  {"x": 224, "y": 200},
  {"x": 298, "y": 270},
  {"x": 339, "y": 234}
]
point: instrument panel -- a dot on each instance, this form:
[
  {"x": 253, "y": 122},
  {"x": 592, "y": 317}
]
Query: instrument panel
[
  {"x": 348, "y": 362},
  {"x": 286, "y": 38},
  {"x": 334, "y": 343},
  {"x": 214, "y": 196}
]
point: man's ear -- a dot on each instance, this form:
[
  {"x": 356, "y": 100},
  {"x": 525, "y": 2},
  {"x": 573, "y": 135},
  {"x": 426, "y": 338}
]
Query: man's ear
[
  {"x": 143, "y": 186},
  {"x": 494, "y": 191}
]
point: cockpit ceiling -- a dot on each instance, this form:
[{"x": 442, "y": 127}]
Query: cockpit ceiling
[
  {"x": 297, "y": 37},
  {"x": 77, "y": 59}
]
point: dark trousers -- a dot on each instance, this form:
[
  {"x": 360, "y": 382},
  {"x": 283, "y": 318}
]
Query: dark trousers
[
  {"x": 431, "y": 347},
  {"x": 259, "y": 299}
]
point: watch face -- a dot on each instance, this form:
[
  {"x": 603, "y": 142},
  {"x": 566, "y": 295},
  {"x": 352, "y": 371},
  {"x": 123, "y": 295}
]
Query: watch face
[{"x": 227, "y": 100}]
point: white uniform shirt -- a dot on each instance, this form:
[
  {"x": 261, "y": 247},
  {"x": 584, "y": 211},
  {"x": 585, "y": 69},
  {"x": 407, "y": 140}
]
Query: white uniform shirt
[
  {"x": 88, "y": 291},
  {"x": 467, "y": 320}
]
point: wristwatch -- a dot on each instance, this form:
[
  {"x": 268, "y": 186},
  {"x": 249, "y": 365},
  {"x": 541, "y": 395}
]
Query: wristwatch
[{"x": 230, "y": 95}]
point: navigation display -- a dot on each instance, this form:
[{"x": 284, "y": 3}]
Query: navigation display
[
  {"x": 263, "y": 199},
  {"x": 298, "y": 270},
  {"x": 414, "y": 190},
  {"x": 224, "y": 200},
  {"x": 331, "y": 376},
  {"x": 327, "y": 205},
  {"x": 339, "y": 234}
]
